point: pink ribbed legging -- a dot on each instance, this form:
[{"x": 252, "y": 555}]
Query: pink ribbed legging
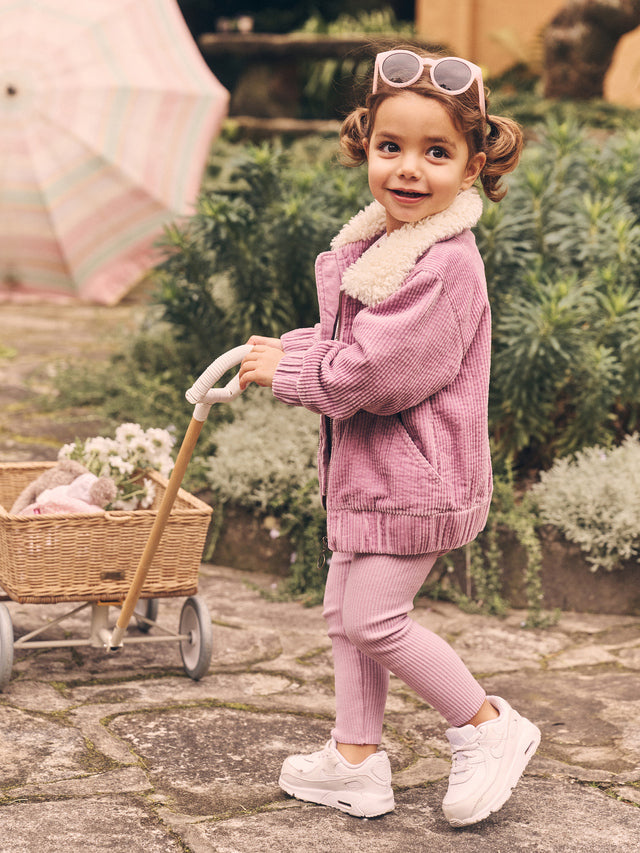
[{"x": 366, "y": 606}]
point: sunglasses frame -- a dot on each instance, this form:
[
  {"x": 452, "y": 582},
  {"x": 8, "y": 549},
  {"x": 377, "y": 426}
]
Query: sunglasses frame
[{"x": 476, "y": 74}]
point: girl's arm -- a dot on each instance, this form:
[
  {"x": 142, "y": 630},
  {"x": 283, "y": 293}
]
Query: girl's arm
[
  {"x": 404, "y": 350},
  {"x": 261, "y": 363}
]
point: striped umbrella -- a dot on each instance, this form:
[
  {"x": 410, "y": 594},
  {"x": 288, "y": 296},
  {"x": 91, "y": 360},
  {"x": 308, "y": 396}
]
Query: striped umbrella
[{"x": 107, "y": 112}]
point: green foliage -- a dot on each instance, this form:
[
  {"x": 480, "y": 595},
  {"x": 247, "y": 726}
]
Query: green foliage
[
  {"x": 517, "y": 94},
  {"x": 145, "y": 382},
  {"x": 306, "y": 525},
  {"x": 6, "y": 352},
  {"x": 510, "y": 515},
  {"x": 279, "y": 16},
  {"x": 362, "y": 22},
  {"x": 244, "y": 263},
  {"x": 593, "y": 498},
  {"x": 335, "y": 85},
  {"x": 483, "y": 593},
  {"x": 264, "y": 453},
  {"x": 562, "y": 254}
]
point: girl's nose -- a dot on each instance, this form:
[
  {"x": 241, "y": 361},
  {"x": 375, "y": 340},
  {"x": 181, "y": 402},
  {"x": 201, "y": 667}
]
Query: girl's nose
[{"x": 409, "y": 166}]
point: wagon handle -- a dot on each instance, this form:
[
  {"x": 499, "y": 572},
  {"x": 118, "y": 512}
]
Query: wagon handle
[{"x": 203, "y": 395}]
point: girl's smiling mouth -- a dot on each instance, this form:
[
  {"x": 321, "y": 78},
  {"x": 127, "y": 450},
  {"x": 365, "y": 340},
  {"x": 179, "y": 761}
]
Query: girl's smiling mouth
[{"x": 410, "y": 195}]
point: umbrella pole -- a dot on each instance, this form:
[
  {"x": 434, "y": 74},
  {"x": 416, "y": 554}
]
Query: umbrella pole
[{"x": 166, "y": 505}]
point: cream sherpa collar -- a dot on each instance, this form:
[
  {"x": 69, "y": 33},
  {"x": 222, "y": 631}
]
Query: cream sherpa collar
[{"x": 383, "y": 267}]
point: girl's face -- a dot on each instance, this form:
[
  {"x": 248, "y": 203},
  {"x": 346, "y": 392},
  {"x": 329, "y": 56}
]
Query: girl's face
[{"x": 418, "y": 160}]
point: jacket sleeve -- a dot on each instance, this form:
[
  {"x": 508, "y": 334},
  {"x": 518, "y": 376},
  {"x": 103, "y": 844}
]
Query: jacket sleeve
[{"x": 403, "y": 350}]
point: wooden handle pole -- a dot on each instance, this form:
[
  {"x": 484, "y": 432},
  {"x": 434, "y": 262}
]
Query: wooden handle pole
[{"x": 166, "y": 505}]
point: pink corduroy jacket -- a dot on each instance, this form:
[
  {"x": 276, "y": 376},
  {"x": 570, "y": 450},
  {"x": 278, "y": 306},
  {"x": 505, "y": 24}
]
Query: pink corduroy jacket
[{"x": 399, "y": 368}]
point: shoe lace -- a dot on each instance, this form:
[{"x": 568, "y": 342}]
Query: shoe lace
[{"x": 462, "y": 755}]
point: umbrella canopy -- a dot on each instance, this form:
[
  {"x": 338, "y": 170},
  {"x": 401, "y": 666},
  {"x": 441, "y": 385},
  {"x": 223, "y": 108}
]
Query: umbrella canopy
[{"x": 107, "y": 112}]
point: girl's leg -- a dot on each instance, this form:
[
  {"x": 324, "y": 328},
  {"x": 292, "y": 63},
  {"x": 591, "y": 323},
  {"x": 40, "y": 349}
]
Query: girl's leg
[
  {"x": 367, "y": 604},
  {"x": 361, "y": 684},
  {"x": 372, "y": 634}
]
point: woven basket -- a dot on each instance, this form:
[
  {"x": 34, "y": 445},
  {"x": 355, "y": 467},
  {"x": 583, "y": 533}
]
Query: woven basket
[{"x": 75, "y": 557}]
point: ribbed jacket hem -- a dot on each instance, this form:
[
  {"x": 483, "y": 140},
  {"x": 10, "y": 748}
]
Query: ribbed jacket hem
[{"x": 368, "y": 532}]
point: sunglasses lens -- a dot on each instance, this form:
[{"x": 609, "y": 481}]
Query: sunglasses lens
[
  {"x": 453, "y": 75},
  {"x": 401, "y": 68}
]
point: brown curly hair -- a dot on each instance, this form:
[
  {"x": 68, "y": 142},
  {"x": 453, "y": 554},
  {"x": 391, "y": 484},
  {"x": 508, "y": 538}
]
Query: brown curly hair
[{"x": 499, "y": 138}]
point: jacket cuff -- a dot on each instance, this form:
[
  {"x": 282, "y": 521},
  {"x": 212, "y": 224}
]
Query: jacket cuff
[
  {"x": 285, "y": 379},
  {"x": 298, "y": 339}
]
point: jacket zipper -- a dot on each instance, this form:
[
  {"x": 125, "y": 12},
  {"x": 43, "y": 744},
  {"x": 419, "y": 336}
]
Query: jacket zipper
[{"x": 328, "y": 422}]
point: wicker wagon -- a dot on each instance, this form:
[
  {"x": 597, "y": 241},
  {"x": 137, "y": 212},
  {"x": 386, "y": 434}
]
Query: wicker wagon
[
  {"x": 132, "y": 558},
  {"x": 93, "y": 558},
  {"x": 74, "y": 557}
]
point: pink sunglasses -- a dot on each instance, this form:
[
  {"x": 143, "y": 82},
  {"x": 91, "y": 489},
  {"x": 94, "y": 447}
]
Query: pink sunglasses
[{"x": 451, "y": 74}]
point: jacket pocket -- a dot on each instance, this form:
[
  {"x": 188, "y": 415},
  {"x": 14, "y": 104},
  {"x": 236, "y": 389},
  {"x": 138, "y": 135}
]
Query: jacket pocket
[
  {"x": 375, "y": 465},
  {"x": 418, "y": 425}
]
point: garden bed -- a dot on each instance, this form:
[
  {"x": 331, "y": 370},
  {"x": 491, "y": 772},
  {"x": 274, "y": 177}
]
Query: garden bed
[
  {"x": 569, "y": 583},
  {"x": 567, "y": 580}
]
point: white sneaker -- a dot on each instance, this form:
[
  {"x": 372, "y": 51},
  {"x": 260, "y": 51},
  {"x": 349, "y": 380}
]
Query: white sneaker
[
  {"x": 487, "y": 762},
  {"x": 326, "y": 778}
]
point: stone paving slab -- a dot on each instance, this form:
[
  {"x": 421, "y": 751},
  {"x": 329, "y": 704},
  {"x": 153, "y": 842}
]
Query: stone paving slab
[
  {"x": 110, "y": 824},
  {"x": 538, "y": 822},
  {"x": 119, "y": 751}
]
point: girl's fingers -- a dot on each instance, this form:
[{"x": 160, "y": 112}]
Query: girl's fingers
[
  {"x": 259, "y": 365},
  {"x": 246, "y": 367},
  {"x": 261, "y": 340}
]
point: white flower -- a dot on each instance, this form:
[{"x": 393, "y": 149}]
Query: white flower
[
  {"x": 131, "y": 504},
  {"x": 127, "y": 432},
  {"x": 150, "y": 493},
  {"x": 132, "y": 451},
  {"x": 119, "y": 464}
]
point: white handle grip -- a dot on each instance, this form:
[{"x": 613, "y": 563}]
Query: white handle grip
[{"x": 203, "y": 394}]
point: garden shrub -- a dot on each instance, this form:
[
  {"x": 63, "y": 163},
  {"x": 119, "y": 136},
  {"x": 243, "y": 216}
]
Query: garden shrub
[
  {"x": 562, "y": 253},
  {"x": 265, "y": 460},
  {"x": 511, "y": 515},
  {"x": 264, "y": 454},
  {"x": 244, "y": 264},
  {"x": 333, "y": 86},
  {"x": 593, "y": 498}
]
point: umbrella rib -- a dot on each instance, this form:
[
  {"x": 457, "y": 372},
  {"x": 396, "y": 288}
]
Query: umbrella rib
[{"x": 47, "y": 210}]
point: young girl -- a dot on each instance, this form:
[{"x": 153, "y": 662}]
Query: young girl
[{"x": 398, "y": 367}]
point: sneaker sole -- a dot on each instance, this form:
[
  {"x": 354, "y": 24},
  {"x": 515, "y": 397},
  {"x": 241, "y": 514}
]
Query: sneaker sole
[
  {"x": 368, "y": 805},
  {"x": 530, "y": 740}
]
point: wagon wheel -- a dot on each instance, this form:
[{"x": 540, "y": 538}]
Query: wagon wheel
[
  {"x": 147, "y": 608},
  {"x": 195, "y": 621},
  {"x": 6, "y": 646}
]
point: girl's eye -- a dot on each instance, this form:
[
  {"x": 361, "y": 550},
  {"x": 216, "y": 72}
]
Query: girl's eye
[
  {"x": 389, "y": 147},
  {"x": 437, "y": 152}
]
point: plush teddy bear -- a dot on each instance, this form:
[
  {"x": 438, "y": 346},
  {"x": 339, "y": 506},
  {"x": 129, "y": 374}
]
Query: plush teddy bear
[{"x": 67, "y": 487}]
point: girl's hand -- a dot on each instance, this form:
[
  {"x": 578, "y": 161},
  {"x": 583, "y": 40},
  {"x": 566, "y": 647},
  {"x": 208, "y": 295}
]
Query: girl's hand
[
  {"x": 260, "y": 365},
  {"x": 257, "y": 340}
]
